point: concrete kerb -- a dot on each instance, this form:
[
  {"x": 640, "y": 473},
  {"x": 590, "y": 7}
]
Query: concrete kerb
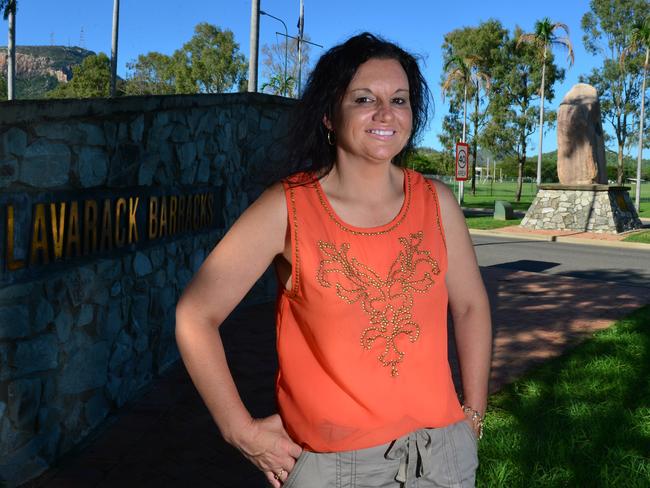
[
  {"x": 563, "y": 239},
  {"x": 596, "y": 242},
  {"x": 551, "y": 237},
  {"x": 529, "y": 237}
]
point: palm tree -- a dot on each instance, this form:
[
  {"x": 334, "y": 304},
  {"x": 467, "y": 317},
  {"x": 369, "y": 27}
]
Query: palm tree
[
  {"x": 458, "y": 72},
  {"x": 279, "y": 85},
  {"x": 479, "y": 80},
  {"x": 545, "y": 39},
  {"x": 466, "y": 72},
  {"x": 9, "y": 13},
  {"x": 639, "y": 39}
]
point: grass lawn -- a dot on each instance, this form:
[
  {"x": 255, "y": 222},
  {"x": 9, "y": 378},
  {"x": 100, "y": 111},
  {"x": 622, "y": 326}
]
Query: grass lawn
[
  {"x": 643, "y": 237},
  {"x": 482, "y": 202},
  {"x": 487, "y": 193},
  {"x": 488, "y": 222},
  {"x": 580, "y": 420},
  {"x": 645, "y": 199}
]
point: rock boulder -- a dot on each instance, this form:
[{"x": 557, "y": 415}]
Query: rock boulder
[{"x": 580, "y": 141}]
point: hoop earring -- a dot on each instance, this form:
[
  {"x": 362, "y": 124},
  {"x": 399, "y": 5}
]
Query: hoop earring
[{"x": 329, "y": 138}]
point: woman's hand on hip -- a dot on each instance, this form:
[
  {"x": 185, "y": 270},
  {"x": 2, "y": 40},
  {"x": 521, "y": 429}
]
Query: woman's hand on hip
[{"x": 268, "y": 446}]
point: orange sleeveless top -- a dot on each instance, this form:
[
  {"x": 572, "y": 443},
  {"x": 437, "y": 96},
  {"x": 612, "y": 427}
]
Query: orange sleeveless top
[{"x": 362, "y": 334}]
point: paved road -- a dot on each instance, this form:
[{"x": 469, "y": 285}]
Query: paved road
[{"x": 623, "y": 266}]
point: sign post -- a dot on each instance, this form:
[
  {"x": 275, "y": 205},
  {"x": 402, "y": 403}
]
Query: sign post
[{"x": 462, "y": 160}]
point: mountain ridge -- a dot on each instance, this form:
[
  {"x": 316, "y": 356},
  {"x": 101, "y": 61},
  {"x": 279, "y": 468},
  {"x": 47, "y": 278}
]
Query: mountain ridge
[{"x": 39, "y": 69}]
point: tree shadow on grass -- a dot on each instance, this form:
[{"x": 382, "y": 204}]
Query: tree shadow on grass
[{"x": 582, "y": 419}]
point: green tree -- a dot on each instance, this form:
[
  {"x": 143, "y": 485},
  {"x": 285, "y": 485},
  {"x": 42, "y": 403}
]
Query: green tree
[
  {"x": 608, "y": 31},
  {"x": 151, "y": 74},
  {"x": 544, "y": 39},
  {"x": 431, "y": 162},
  {"x": 468, "y": 73},
  {"x": 640, "y": 40},
  {"x": 482, "y": 44},
  {"x": 515, "y": 88},
  {"x": 181, "y": 72},
  {"x": 273, "y": 67},
  {"x": 458, "y": 74},
  {"x": 458, "y": 71},
  {"x": 210, "y": 61},
  {"x": 90, "y": 79},
  {"x": 480, "y": 81},
  {"x": 277, "y": 85},
  {"x": 9, "y": 8},
  {"x": 452, "y": 129}
]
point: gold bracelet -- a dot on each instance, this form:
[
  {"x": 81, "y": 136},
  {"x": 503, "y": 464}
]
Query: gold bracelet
[{"x": 477, "y": 419}]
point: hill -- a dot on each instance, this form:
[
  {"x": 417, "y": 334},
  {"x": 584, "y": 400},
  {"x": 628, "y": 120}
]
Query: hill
[{"x": 41, "y": 68}]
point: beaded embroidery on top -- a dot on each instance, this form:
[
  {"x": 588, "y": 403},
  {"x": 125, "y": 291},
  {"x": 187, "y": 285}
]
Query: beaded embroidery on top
[
  {"x": 387, "y": 301},
  {"x": 295, "y": 282}
]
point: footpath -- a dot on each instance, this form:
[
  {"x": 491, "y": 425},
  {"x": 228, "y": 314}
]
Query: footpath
[
  {"x": 568, "y": 236},
  {"x": 166, "y": 437}
]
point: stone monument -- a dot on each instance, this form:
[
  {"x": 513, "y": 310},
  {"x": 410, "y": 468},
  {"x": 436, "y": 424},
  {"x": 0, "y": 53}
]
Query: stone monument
[
  {"x": 580, "y": 142},
  {"x": 582, "y": 201}
]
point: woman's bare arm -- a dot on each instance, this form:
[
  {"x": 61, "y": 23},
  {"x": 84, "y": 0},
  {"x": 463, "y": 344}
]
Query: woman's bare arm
[
  {"x": 468, "y": 303},
  {"x": 225, "y": 277}
]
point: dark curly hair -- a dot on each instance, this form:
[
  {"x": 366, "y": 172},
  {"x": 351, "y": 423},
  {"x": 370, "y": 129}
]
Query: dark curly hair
[{"x": 307, "y": 140}]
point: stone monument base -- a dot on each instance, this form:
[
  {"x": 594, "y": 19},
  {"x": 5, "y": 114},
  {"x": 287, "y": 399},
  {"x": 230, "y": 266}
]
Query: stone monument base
[{"x": 584, "y": 208}]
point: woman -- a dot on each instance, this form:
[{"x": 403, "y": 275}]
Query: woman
[{"x": 367, "y": 255}]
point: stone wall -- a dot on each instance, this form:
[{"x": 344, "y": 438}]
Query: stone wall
[
  {"x": 83, "y": 331},
  {"x": 586, "y": 208}
]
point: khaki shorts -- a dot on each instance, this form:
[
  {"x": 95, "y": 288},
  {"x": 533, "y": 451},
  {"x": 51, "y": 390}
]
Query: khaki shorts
[{"x": 443, "y": 457}]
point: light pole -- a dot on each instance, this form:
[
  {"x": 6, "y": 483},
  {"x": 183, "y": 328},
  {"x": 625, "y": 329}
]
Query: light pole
[
  {"x": 254, "y": 44},
  {"x": 286, "y": 40},
  {"x": 116, "y": 23}
]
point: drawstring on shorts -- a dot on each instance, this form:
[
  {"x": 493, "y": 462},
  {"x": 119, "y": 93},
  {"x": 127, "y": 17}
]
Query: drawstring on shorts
[{"x": 412, "y": 451}]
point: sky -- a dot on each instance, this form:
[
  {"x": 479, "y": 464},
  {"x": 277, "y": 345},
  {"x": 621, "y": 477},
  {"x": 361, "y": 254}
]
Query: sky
[{"x": 417, "y": 25}]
